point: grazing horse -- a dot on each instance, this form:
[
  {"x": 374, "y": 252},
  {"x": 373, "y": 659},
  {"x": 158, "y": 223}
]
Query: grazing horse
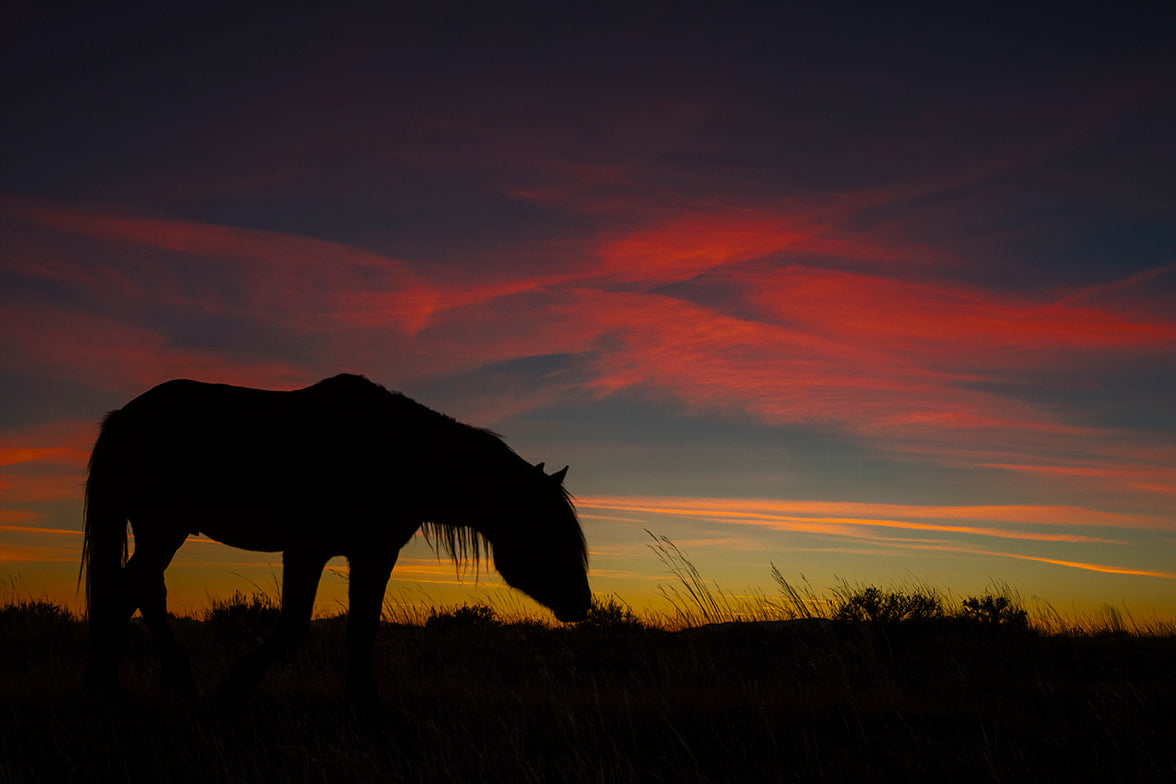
[{"x": 343, "y": 467}]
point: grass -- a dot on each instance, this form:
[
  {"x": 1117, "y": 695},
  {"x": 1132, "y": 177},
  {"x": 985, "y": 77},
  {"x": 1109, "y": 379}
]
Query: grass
[{"x": 872, "y": 684}]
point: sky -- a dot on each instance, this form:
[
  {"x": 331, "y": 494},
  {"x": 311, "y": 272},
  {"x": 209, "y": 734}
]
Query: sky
[{"x": 871, "y": 296}]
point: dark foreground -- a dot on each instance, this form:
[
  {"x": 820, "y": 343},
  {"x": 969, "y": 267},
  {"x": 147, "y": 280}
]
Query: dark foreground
[{"x": 468, "y": 701}]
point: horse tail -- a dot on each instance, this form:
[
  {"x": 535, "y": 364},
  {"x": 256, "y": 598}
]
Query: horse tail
[{"x": 104, "y": 547}]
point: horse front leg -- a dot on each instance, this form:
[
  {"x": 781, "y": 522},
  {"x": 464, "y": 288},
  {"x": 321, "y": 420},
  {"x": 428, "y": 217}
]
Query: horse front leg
[
  {"x": 368, "y": 578},
  {"x": 301, "y": 570}
]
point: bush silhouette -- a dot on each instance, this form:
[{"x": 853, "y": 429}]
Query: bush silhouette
[
  {"x": 996, "y": 611},
  {"x": 468, "y": 616},
  {"x": 610, "y": 615},
  {"x": 874, "y": 604}
]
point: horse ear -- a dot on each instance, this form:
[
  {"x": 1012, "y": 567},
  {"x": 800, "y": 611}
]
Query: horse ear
[
  {"x": 559, "y": 475},
  {"x": 539, "y": 467}
]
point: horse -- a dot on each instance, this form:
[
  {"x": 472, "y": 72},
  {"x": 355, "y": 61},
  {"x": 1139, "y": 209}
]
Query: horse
[{"x": 342, "y": 467}]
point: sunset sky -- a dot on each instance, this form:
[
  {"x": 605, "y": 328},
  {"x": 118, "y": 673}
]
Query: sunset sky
[{"x": 883, "y": 296}]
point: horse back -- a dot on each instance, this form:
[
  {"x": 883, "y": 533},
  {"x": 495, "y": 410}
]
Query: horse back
[{"x": 248, "y": 466}]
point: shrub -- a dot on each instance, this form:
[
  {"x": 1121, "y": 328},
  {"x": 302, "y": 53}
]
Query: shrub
[
  {"x": 874, "y": 604},
  {"x": 610, "y": 615},
  {"x": 995, "y": 611},
  {"x": 468, "y": 616}
]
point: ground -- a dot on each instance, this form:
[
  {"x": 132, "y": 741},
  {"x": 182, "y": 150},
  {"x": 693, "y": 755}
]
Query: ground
[{"x": 465, "y": 698}]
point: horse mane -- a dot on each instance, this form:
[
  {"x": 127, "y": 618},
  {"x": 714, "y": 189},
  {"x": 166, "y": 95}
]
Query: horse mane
[
  {"x": 457, "y": 541},
  {"x": 462, "y": 542}
]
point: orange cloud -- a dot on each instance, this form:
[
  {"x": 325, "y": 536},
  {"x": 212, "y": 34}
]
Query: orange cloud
[
  {"x": 1091, "y": 567},
  {"x": 31, "y": 529},
  {"x": 839, "y": 514},
  {"x": 17, "y": 455},
  {"x": 63, "y": 443},
  {"x": 25, "y": 553}
]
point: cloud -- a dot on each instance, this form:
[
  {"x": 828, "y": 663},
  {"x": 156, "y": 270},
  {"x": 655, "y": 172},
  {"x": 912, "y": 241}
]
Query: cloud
[
  {"x": 689, "y": 244},
  {"x": 1022, "y": 514},
  {"x": 845, "y": 518},
  {"x": 1090, "y": 567},
  {"x": 1148, "y": 478},
  {"x": 66, "y": 344},
  {"x": 709, "y": 310}
]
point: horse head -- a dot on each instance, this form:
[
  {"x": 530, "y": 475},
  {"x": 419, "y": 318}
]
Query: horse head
[{"x": 542, "y": 552}]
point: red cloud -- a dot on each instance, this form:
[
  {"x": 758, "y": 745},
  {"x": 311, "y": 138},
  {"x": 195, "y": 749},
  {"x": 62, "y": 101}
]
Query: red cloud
[
  {"x": 693, "y": 243},
  {"x": 286, "y": 278},
  {"x": 110, "y": 355},
  {"x": 869, "y": 353},
  {"x": 942, "y": 320}
]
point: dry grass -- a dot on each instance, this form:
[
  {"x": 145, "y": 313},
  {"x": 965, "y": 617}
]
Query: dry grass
[{"x": 477, "y": 694}]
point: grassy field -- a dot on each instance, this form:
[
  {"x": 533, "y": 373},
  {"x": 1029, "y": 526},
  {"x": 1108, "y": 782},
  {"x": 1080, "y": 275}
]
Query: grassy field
[{"x": 886, "y": 687}]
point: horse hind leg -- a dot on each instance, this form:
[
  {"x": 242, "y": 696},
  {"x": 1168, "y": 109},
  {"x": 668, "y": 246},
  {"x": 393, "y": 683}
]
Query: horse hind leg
[
  {"x": 146, "y": 591},
  {"x": 300, "y": 576},
  {"x": 107, "y": 621}
]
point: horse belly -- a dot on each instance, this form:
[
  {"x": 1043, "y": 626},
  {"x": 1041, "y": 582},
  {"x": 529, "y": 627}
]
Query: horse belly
[
  {"x": 252, "y": 537},
  {"x": 243, "y": 513}
]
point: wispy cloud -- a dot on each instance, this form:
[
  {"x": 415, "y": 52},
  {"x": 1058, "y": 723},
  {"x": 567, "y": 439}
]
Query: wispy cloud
[
  {"x": 721, "y": 311},
  {"x": 846, "y": 518},
  {"x": 1090, "y": 567}
]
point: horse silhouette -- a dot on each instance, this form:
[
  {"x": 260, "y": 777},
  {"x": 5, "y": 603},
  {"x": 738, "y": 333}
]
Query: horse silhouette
[{"x": 343, "y": 467}]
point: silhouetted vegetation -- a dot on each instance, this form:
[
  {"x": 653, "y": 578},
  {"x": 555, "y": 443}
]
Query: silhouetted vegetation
[
  {"x": 37, "y": 614},
  {"x": 240, "y": 615},
  {"x": 611, "y": 615},
  {"x": 879, "y": 606},
  {"x": 995, "y": 610},
  {"x": 874, "y": 684},
  {"x": 476, "y": 616}
]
